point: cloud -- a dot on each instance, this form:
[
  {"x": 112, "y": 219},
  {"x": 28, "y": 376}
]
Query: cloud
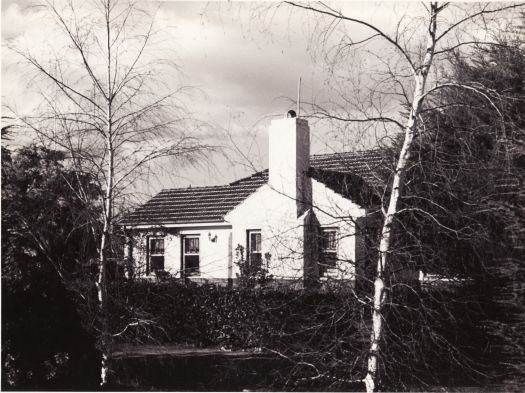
[
  {"x": 244, "y": 57},
  {"x": 239, "y": 65},
  {"x": 18, "y": 17}
]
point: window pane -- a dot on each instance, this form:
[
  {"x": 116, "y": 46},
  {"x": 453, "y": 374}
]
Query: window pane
[
  {"x": 191, "y": 264},
  {"x": 157, "y": 246},
  {"x": 328, "y": 240},
  {"x": 191, "y": 245},
  {"x": 324, "y": 241},
  {"x": 157, "y": 262},
  {"x": 328, "y": 251},
  {"x": 255, "y": 260},
  {"x": 191, "y": 255},
  {"x": 327, "y": 260},
  {"x": 332, "y": 241},
  {"x": 255, "y": 242}
]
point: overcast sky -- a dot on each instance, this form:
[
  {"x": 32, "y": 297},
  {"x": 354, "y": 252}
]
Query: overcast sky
[{"x": 244, "y": 62}]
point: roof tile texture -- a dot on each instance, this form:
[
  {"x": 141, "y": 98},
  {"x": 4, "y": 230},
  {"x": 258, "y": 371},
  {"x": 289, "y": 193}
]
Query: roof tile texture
[{"x": 211, "y": 204}]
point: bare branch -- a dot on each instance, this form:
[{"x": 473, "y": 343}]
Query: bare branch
[{"x": 339, "y": 15}]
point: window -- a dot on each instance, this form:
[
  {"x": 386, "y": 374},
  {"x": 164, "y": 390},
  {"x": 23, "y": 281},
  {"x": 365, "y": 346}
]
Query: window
[
  {"x": 254, "y": 256},
  {"x": 328, "y": 250},
  {"x": 156, "y": 253},
  {"x": 190, "y": 255}
]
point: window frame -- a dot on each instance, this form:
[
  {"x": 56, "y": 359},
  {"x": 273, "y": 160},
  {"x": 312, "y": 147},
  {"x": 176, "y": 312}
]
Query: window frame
[
  {"x": 325, "y": 251},
  {"x": 150, "y": 268},
  {"x": 249, "y": 243},
  {"x": 184, "y": 270}
]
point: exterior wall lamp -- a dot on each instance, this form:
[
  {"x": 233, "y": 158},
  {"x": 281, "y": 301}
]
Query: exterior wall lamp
[{"x": 211, "y": 238}]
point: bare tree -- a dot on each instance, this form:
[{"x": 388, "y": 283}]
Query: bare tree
[
  {"x": 406, "y": 57},
  {"x": 113, "y": 107}
]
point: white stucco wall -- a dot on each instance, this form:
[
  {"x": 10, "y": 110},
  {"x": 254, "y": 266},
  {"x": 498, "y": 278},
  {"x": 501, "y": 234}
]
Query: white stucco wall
[
  {"x": 289, "y": 160},
  {"x": 333, "y": 210},
  {"x": 214, "y": 255},
  {"x": 283, "y": 232}
]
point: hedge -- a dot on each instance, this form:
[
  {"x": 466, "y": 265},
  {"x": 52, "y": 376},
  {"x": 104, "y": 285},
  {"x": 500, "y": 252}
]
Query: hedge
[{"x": 431, "y": 337}]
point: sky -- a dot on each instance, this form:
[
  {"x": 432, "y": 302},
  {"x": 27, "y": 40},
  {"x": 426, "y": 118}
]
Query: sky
[
  {"x": 244, "y": 59},
  {"x": 245, "y": 70}
]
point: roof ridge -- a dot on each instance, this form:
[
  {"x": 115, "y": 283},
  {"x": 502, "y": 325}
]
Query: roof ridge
[
  {"x": 235, "y": 182},
  {"x": 247, "y": 177},
  {"x": 191, "y": 188},
  {"x": 375, "y": 150}
]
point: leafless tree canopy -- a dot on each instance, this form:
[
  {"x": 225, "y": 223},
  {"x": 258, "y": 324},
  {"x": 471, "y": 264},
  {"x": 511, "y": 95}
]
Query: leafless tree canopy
[
  {"x": 396, "y": 92},
  {"x": 112, "y": 103}
]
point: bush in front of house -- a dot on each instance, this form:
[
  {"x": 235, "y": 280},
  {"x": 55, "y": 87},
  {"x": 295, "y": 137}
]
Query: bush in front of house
[
  {"x": 238, "y": 318},
  {"x": 437, "y": 336},
  {"x": 432, "y": 335},
  {"x": 298, "y": 326}
]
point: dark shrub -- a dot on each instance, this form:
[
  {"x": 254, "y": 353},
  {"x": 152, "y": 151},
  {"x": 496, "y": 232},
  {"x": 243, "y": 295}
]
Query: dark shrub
[{"x": 44, "y": 345}]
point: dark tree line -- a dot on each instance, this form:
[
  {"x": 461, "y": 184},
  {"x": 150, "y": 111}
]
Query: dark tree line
[
  {"x": 463, "y": 218},
  {"x": 45, "y": 244},
  {"x": 116, "y": 109}
]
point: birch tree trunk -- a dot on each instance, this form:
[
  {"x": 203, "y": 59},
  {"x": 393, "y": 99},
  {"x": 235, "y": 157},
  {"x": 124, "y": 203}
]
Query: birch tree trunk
[
  {"x": 459, "y": 28},
  {"x": 380, "y": 284},
  {"x": 108, "y": 215},
  {"x": 103, "y": 266},
  {"x": 118, "y": 111}
]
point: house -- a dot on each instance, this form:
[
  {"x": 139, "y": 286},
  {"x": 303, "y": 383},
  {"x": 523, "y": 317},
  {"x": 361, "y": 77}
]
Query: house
[{"x": 299, "y": 219}]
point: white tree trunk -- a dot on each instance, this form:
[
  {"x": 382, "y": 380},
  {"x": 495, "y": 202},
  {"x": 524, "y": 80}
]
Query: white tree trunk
[
  {"x": 102, "y": 276},
  {"x": 108, "y": 218},
  {"x": 117, "y": 112},
  {"x": 380, "y": 294}
]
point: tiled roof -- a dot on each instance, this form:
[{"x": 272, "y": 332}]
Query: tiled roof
[
  {"x": 367, "y": 164},
  {"x": 195, "y": 204},
  {"x": 211, "y": 204}
]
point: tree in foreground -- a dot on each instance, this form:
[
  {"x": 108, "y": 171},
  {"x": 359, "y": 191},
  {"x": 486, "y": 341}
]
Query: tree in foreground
[
  {"x": 485, "y": 151},
  {"x": 461, "y": 215},
  {"x": 45, "y": 244},
  {"x": 408, "y": 75},
  {"x": 114, "y": 108}
]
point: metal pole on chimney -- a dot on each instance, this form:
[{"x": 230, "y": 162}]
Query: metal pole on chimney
[{"x": 298, "y": 97}]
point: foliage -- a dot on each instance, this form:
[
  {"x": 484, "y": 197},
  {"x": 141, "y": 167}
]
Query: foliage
[
  {"x": 116, "y": 109},
  {"x": 435, "y": 337},
  {"x": 462, "y": 165},
  {"x": 401, "y": 74},
  {"x": 42, "y": 215},
  {"x": 251, "y": 274},
  {"x": 296, "y": 324},
  {"x": 463, "y": 213},
  {"x": 320, "y": 335},
  {"x": 44, "y": 239},
  {"x": 44, "y": 345}
]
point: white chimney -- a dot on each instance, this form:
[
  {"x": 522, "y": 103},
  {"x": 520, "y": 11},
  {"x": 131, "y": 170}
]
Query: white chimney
[{"x": 289, "y": 160}]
